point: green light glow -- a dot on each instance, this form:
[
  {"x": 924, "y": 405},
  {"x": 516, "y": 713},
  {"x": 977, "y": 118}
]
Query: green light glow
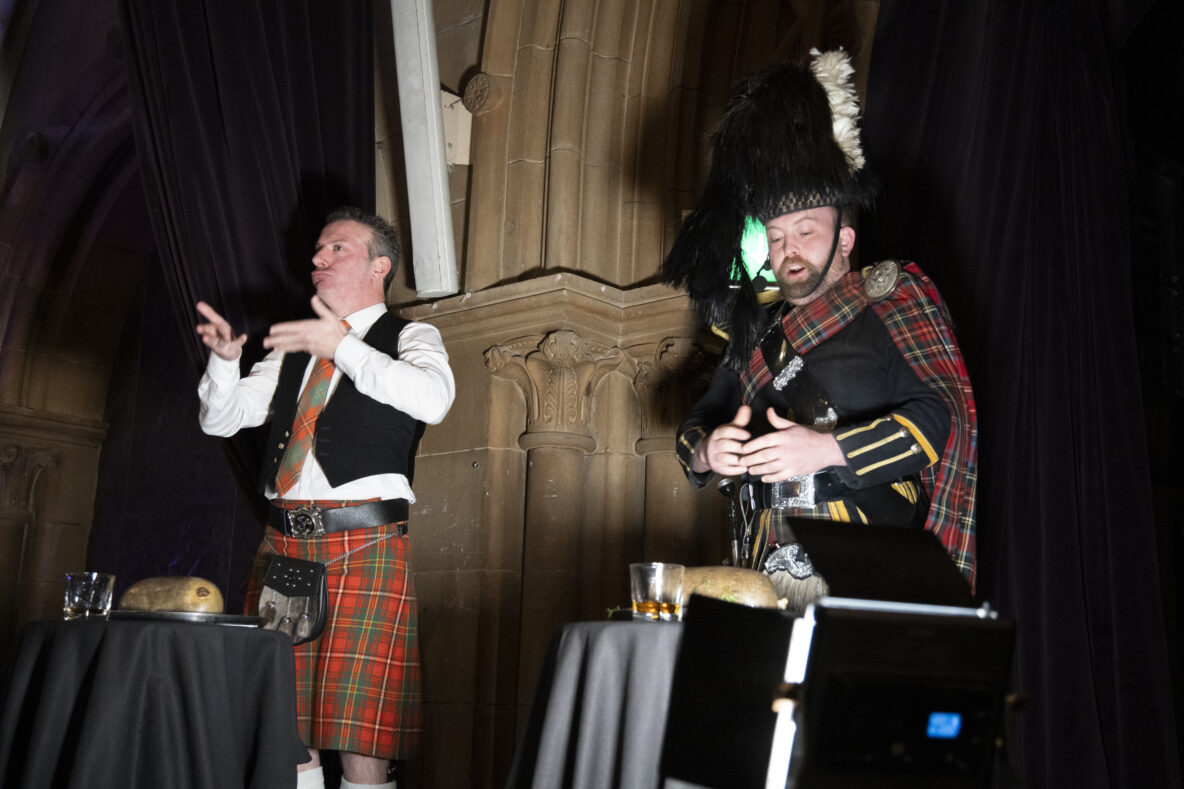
[{"x": 754, "y": 248}]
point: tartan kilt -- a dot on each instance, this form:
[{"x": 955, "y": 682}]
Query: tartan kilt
[{"x": 358, "y": 686}]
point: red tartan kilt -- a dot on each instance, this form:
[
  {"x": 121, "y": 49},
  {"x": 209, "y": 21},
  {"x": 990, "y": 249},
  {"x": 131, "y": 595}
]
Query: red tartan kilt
[{"x": 358, "y": 686}]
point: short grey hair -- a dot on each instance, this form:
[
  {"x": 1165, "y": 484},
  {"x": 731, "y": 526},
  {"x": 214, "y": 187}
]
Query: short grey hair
[{"x": 384, "y": 242}]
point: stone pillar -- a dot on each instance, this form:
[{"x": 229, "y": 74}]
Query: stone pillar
[
  {"x": 20, "y": 471},
  {"x": 557, "y": 376},
  {"x": 48, "y": 471},
  {"x": 680, "y": 525}
]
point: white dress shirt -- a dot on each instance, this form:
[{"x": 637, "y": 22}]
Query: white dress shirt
[{"x": 418, "y": 383}]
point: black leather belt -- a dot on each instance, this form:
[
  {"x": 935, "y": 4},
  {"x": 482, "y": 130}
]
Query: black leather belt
[
  {"x": 305, "y": 522},
  {"x": 804, "y": 491}
]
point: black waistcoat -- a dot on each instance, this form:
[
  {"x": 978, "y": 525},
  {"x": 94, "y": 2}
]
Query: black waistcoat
[{"x": 356, "y": 436}]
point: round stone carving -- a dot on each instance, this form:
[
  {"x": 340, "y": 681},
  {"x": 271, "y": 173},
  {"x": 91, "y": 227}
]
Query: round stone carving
[{"x": 480, "y": 93}]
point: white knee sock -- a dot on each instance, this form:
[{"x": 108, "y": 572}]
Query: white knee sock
[
  {"x": 311, "y": 779},
  {"x": 350, "y": 785}
]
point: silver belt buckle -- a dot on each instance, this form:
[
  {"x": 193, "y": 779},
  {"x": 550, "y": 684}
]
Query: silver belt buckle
[
  {"x": 793, "y": 492},
  {"x": 305, "y": 522}
]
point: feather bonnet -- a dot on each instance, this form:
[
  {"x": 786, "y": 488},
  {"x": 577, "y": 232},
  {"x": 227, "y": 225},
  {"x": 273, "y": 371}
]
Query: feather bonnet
[{"x": 788, "y": 140}]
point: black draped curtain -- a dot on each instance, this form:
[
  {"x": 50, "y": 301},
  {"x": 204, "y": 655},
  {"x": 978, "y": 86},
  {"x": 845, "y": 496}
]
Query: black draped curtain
[
  {"x": 252, "y": 119},
  {"x": 998, "y": 127}
]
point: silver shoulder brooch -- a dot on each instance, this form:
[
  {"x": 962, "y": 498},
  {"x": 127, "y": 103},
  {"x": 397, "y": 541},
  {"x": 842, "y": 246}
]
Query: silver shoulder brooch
[{"x": 880, "y": 279}]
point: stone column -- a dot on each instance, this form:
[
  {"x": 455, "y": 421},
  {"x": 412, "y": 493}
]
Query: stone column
[
  {"x": 680, "y": 525},
  {"x": 20, "y": 471},
  {"x": 557, "y": 376}
]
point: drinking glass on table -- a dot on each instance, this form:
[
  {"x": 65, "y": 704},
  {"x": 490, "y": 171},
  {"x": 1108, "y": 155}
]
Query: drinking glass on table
[
  {"x": 88, "y": 595},
  {"x": 656, "y": 589}
]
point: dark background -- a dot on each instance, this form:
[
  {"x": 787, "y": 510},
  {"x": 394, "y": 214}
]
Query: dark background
[{"x": 1030, "y": 155}]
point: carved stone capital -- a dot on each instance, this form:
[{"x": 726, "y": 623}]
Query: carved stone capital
[
  {"x": 557, "y": 374},
  {"x": 671, "y": 375},
  {"x": 20, "y": 470}
]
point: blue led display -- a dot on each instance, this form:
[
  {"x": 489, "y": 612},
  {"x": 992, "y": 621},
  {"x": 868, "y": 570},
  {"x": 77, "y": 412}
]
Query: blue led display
[{"x": 944, "y": 725}]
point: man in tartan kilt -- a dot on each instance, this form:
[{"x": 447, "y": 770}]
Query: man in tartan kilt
[
  {"x": 842, "y": 394},
  {"x": 347, "y": 393}
]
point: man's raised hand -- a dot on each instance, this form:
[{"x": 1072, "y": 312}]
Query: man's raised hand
[
  {"x": 216, "y": 333},
  {"x": 723, "y": 450},
  {"x": 318, "y": 336},
  {"x": 790, "y": 450}
]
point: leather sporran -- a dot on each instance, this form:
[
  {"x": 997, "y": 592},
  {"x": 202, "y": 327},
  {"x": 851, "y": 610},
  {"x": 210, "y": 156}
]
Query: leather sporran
[{"x": 294, "y": 598}]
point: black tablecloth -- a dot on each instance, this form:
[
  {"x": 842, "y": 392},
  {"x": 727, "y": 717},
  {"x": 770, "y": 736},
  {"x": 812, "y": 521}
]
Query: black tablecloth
[
  {"x": 599, "y": 711},
  {"x": 149, "y": 704}
]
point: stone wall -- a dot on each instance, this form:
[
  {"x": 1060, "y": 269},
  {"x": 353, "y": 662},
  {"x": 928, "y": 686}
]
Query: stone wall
[
  {"x": 556, "y": 467},
  {"x": 47, "y": 493},
  {"x": 554, "y": 470}
]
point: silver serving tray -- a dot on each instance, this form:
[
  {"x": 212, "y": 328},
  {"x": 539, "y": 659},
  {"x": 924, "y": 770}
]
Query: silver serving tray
[{"x": 232, "y": 620}]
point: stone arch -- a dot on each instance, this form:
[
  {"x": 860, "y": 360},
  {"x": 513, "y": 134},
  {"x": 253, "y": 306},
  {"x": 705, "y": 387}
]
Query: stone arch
[
  {"x": 75, "y": 238},
  {"x": 592, "y": 124},
  {"x": 74, "y": 244}
]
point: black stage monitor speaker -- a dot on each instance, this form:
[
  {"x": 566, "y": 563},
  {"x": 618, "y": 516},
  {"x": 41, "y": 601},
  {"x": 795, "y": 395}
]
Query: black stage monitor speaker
[
  {"x": 719, "y": 726},
  {"x": 900, "y": 696},
  {"x": 882, "y": 563},
  {"x": 901, "y": 677}
]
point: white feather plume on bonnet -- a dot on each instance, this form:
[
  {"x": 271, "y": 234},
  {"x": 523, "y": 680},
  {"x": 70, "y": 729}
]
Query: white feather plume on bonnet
[{"x": 833, "y": 70}]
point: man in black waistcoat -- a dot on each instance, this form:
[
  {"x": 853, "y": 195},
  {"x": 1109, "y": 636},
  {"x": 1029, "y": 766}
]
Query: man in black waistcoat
[{"x": 347, "y": 394}]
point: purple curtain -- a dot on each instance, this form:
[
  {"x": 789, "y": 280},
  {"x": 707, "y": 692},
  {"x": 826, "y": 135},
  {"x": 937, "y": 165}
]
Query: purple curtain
[
  {"x": 252, "y": 119},
  {"x": 999, "y": 130}
]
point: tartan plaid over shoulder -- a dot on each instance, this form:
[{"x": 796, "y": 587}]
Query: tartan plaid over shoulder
[{"x": 919, "y": 323}]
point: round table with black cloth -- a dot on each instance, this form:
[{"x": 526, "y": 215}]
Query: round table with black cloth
[{"x": 148, "y": 704}]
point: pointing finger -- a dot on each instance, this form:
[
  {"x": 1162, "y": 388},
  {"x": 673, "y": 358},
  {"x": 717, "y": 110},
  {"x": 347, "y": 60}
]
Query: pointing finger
[{"x": 211, "y": 315}]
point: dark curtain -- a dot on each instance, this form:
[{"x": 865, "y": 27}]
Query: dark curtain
[
  {"x": 999, "y": 131},
  {"x": 252, "y": 119}
]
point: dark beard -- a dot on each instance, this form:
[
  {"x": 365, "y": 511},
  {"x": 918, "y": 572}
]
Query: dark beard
[{"x": 801, "y": 288}]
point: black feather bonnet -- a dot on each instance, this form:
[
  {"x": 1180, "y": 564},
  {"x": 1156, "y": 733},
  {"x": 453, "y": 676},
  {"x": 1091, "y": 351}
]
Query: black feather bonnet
[{"x": 788, "y": 140}]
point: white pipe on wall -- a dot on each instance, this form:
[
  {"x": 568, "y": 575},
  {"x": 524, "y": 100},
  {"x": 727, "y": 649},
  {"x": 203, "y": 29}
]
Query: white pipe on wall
[{"x": 432, "y": 245}]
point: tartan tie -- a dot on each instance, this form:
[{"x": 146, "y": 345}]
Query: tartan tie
[{"x": 308, "y": 408}]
